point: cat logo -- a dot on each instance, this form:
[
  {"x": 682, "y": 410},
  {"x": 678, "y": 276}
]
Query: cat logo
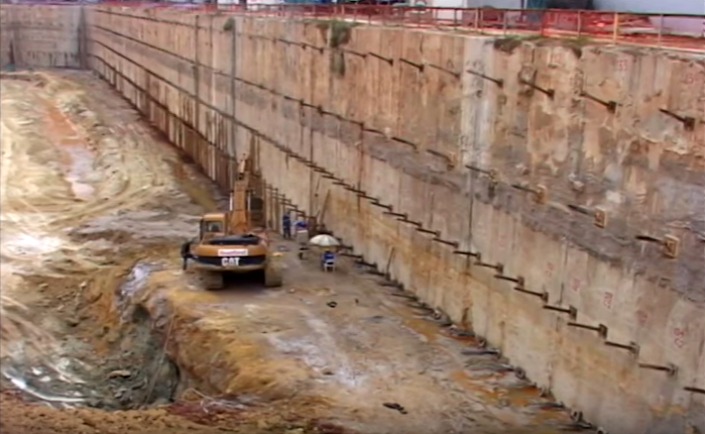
[{"x": 230, "y": 261}]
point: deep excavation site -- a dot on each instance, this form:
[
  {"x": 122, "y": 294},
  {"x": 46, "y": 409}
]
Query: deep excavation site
[
  {"x": 524, "y": 242},
  {"x": 118, "y": 339}
]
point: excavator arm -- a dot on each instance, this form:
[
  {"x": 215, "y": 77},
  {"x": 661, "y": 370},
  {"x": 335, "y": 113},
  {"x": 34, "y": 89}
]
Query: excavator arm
[
  {"x": 239, "y": 215},
  {"x": 238, "y": 219}
]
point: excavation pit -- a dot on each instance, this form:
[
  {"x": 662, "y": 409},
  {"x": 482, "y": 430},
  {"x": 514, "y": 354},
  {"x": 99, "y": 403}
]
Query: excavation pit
[{"x": 132, "y": 333}]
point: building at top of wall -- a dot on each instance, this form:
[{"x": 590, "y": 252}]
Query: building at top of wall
[
  {"x": 687, "y": 7},
  {"x": 694, "y": 24}
]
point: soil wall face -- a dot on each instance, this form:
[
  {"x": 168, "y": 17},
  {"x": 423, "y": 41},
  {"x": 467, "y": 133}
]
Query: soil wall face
[{"x": 554, "y": 162}]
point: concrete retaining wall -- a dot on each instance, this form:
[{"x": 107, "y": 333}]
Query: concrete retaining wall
[
  {"x": 42, "y": 36},
  {"x": 555, "y": 133}
]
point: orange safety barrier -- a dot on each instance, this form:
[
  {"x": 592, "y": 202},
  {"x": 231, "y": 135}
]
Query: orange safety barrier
[{"x": 681, "y": 32}]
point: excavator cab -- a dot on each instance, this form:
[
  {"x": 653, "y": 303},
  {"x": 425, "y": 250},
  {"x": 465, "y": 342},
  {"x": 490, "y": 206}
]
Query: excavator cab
[{"x": 212, "y": 225}]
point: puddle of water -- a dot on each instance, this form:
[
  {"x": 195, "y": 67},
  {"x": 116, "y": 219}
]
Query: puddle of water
[
  {"x": 134, "y": 283},
  {"x": 424, "y": 329},
  {"x": 42, "y": 382},
  {"x": 79, "y": 169},
  {"x": 64, "y": 367},
  {"x": 342, "y": 369},
  {"x": 136, "y": 279},
  {"x": 24, "y": 386},
  {"x": 78, "y": 161},
  {"x": 27, "y": 244},
  {"x": 319, "y": 351}
]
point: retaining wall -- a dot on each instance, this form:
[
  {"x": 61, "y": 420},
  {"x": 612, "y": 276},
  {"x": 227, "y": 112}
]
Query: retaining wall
[
  {"x": 561, "y": 139},
  {"x": 42, "y": 36}
]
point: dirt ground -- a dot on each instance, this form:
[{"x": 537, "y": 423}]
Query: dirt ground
[{"x": 102, "y": 332}]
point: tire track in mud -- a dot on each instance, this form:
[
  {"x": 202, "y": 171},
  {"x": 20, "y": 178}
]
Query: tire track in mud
[{"x": 128, "y": 185}]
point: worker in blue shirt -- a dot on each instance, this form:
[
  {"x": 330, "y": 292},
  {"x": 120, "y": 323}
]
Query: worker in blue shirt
[
  {"x": 301, "y": 224},
  {"x": 301, "y": 229},
  {"x": 328, "y": 258},
  {"x": 286, "y": 226}
]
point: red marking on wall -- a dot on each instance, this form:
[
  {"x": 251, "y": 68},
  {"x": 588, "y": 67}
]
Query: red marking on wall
[
  {"x": 607, "y": 300},
  {"x": 641, "y": 317},
  {"x": 550, "y": 269},
  {"x": 576, "y": 284},
  {"x": 689, "y": 78},
  {"x": 502, "y": 242},
  {"x": 578, "y": 82},
  {"x": 679, "y": 335},
  {"x": 622, "y": 65}
]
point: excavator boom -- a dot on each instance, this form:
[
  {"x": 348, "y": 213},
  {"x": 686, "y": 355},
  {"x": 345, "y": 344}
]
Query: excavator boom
[{"x": 239, "y": 215}]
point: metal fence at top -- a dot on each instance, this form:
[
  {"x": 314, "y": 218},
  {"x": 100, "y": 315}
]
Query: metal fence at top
[{"x": 682, "y": 32}]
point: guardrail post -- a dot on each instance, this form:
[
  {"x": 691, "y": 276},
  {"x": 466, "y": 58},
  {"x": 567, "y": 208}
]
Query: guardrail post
[
  {"x": 504, "y": 23},
  {"x": 615, "y": 28},
  {"x": 543, "y": 23},
  {"x": 580, "y": 23},
  {"x": 660, "y": 30}
]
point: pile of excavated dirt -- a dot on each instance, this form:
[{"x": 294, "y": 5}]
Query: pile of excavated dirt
[
  {"x": 204, "y": 416},
  {"x": 104, "y": 333}
]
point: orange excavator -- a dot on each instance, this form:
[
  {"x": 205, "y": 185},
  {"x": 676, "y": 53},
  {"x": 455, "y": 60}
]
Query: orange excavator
[{"x": 234, "y": 241}]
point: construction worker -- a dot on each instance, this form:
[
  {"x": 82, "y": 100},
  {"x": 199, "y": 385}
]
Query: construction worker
[
  {"x": 286, "y": 226},
  {"x": 185, "y": 254},
  {"x": 328, "y": 261},
  {"x": 301, "y": 228},
  {"x": 301, "y": 224}
]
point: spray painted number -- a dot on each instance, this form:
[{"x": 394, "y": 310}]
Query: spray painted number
[
  {"x": 679, "y": 335},
  {"x": 576, "y": 284},
  {"x": 229, "y": 262},
  {"x": 622, "y": 65},
  {"x": 578, "y": 82},
  {"x": 642, "y": 317},
  {"x": 607, "y": 300},
  {"x": 689, "y": 78},
  {"x": 550, "y": 269}
]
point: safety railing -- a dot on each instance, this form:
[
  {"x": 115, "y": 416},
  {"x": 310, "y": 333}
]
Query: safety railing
[
  {"x": 685, "y": 32},
  {"x": 678, "y": 31}
]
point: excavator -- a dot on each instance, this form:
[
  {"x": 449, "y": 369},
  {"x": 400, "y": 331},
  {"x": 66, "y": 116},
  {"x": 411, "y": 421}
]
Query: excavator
[{"x": 235, "y": 241}]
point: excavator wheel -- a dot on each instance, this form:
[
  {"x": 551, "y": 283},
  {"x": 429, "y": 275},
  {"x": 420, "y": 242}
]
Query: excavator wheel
[
  {"x": 211, "y": 280},
  {"x": 273, "y": 276}
]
